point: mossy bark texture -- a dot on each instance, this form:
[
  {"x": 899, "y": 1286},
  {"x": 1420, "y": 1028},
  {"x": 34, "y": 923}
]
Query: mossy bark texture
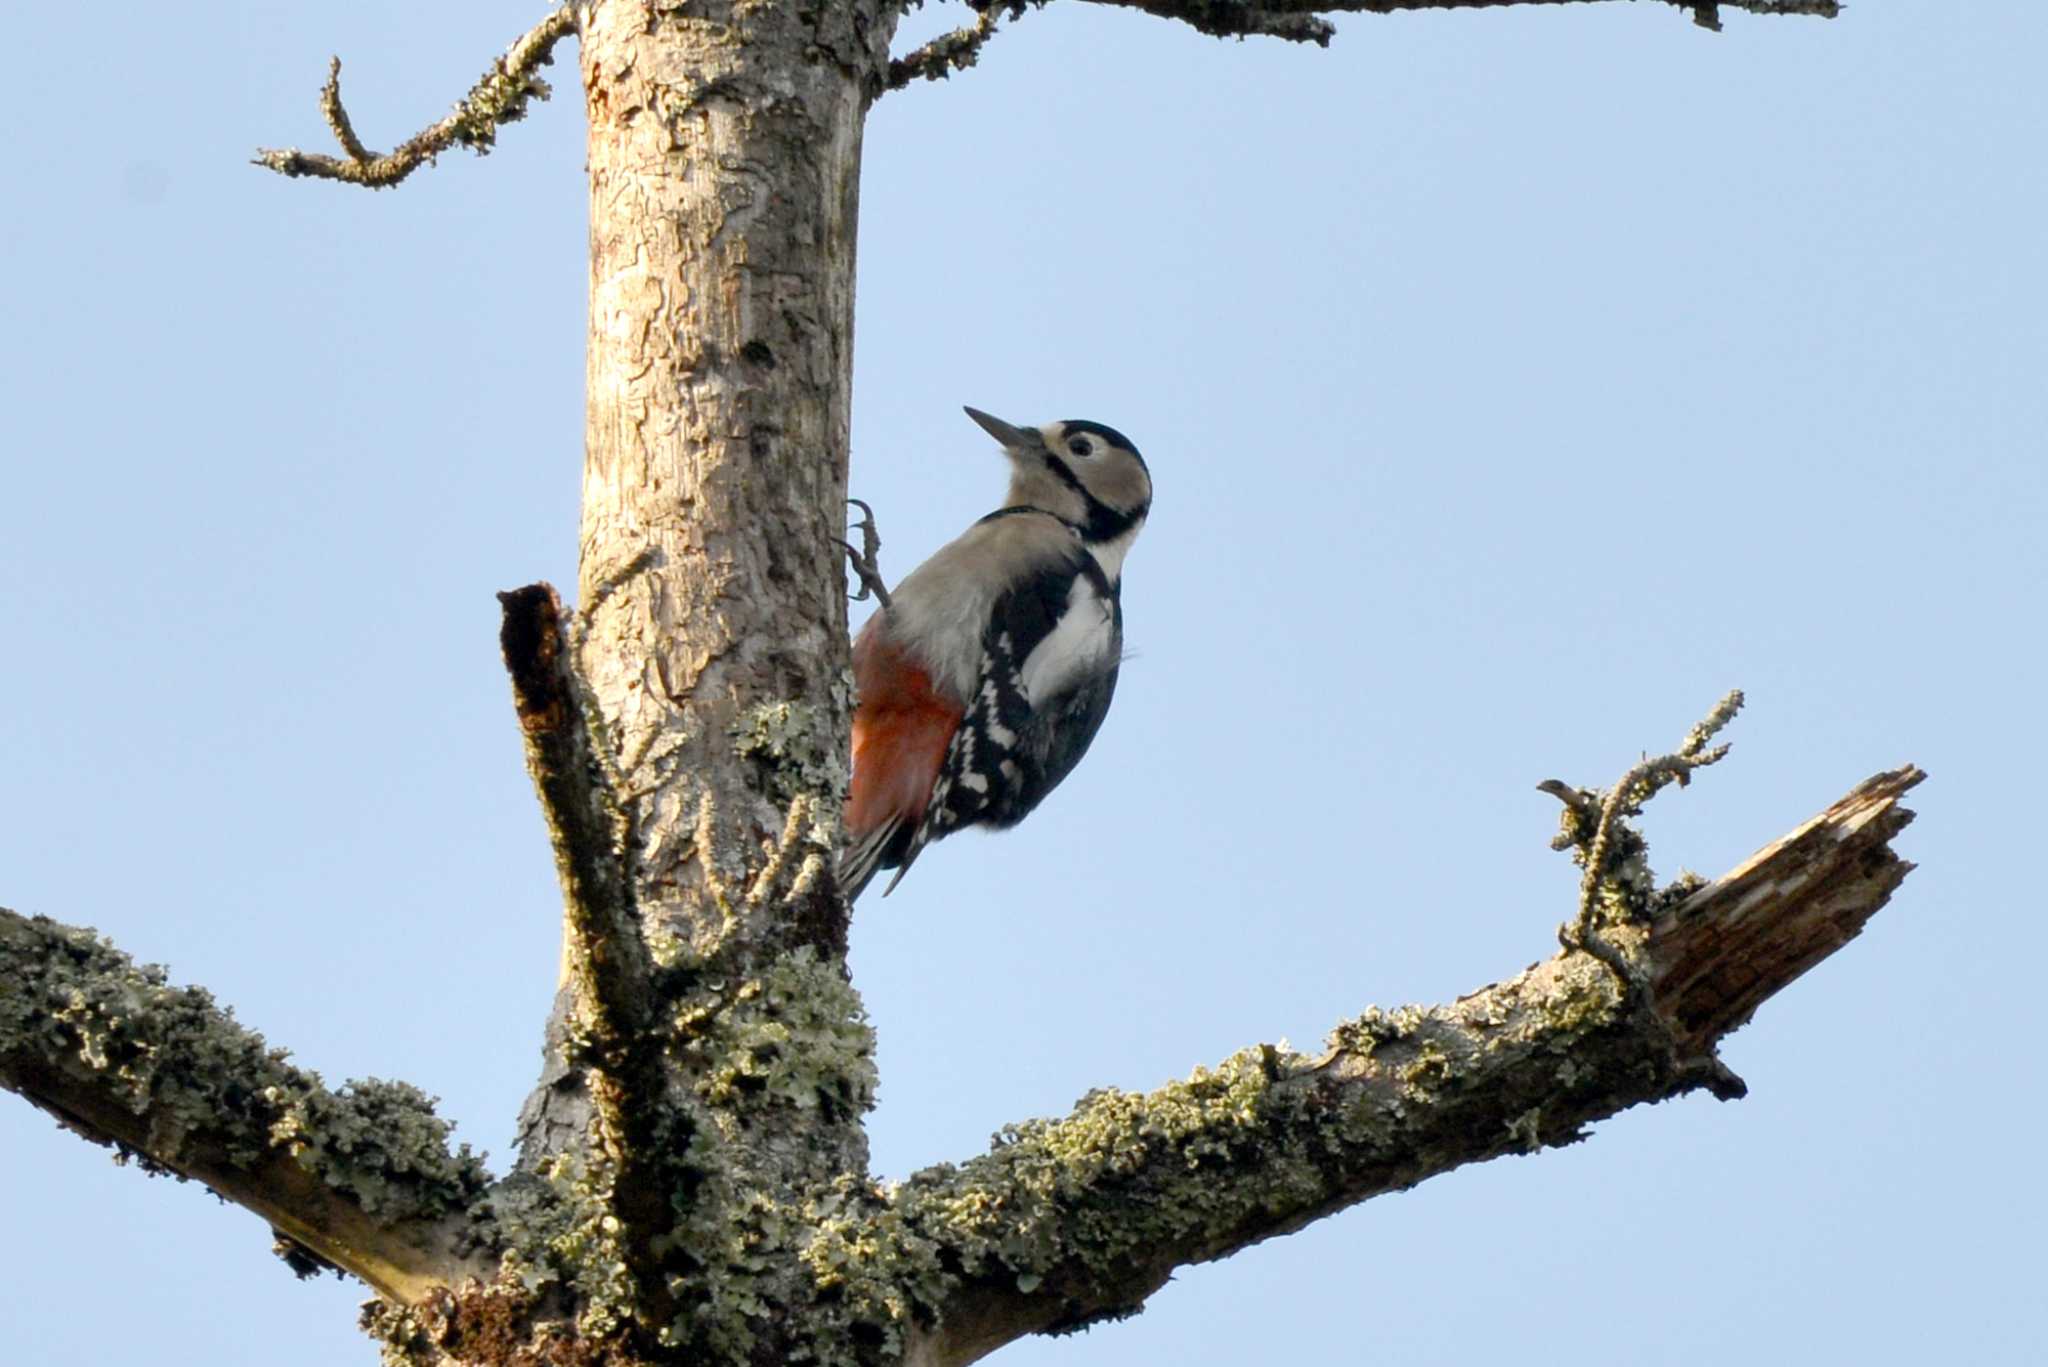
[
  {"x": 693, "y": 1183},
  {"x": 773, "y": 1243}
]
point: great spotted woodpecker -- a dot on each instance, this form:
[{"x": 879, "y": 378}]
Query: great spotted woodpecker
[{"x": 985, "y": 674}]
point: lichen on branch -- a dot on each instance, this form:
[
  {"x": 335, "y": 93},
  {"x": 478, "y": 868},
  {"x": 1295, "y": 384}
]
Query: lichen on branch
[
  {"x": 363, "y": 1177},
  {"x": 954, "y": 51},
  {"x": 1617, "y": 885},
  {"x": 1062, "y": 1223},
  {"x": 1065, "y": 1222}
]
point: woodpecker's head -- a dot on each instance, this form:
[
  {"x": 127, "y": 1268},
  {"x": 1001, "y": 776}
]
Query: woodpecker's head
[{"x": 1082, "y": 472}]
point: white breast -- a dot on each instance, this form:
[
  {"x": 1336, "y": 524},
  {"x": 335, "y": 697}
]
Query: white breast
[
  {"x": 942, "y": 608},
  {"x": 1083, "y": 643}
]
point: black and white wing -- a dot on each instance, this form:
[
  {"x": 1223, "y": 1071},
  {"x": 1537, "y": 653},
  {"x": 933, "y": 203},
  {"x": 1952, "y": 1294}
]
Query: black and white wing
[{"x": 1048, "y": 670}]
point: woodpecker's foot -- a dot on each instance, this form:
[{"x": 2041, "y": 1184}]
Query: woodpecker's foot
[{"x": 866, "y": 567}]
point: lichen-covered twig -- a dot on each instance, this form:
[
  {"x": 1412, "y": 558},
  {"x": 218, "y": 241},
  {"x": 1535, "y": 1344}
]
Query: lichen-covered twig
[
  {"x": 1591, "y": 821},
  {"x": 499, "y": 98},
  {"x": 363, "y": 1178},
  {"x": 1069, "y": 1221},
  {"x": 1297, "y": 21},
  {"x": 951, "y": 52},
  {"x": 1643, "y": 782}
]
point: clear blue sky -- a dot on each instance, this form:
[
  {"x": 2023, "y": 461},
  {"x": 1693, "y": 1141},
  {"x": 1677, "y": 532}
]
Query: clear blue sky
[{"x": 1514, "y": 383}]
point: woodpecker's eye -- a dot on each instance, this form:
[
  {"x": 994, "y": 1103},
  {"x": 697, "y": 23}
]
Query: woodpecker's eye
[{"x": 1081, "y": 446}]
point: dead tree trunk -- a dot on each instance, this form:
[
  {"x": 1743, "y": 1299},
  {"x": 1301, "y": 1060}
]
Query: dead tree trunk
[
  {"x": 693, "y": 1182},
  {"x": 687, "y": 725}
]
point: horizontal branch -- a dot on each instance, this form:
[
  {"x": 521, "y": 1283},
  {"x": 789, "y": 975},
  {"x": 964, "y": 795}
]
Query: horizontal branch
[
  {"x": 362, "y": 1178},
  {"x": 1298, "y": 21},
  {"x": 499, "y": 98},
  {"x": 1070, "y": 1221}
]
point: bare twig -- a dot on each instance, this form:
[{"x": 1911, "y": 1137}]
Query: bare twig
[
  {"x": 1642, "y": 783},
  {"x": 1297, "y": 21},
  {"x": 499, "y": 98}
]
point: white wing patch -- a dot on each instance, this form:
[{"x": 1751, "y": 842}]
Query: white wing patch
[{"x": 1079, "y": 645}]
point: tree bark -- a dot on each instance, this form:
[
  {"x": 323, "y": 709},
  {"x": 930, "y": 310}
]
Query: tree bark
[{"x": 704, "y": 682}]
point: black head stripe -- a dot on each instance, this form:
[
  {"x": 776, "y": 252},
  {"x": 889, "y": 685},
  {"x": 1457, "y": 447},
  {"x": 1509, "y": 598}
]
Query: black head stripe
[{"x": 1104, "y": 522}]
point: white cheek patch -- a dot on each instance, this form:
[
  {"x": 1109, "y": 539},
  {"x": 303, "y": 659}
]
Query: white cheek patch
[{"x": 1082, "y": 643}]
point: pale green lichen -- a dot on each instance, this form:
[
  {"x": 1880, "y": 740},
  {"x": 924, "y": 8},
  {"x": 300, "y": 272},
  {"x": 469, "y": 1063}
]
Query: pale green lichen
[
  {"x": 776, "y": 1057},
  {"x": 794, "y": 1035},
  {"x": 172, "y": 1055},
  {"x": 381, "y": 1141},
  {"x": 1373, "y": 1027},
  {"x": 400, "y": 1336},
  {"x": 527, "y": 1216},
  {"x": 1104, "y": 1189},
  {"x": 1428, "y": 1070},
  {"x": 1585, "y": 997},
  {"x": 754, "y": 1276},
  {"x": 666, "y": 948},
  {"x": 865, "y": 1255},
  {"x": 740, "y": 1239},
  {"x": 562, "y": 1228},
  {"x": 775, "y": 1252},
  {"x": 800, "y": 747}
]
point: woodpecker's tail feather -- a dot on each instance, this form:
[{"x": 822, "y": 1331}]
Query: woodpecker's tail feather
[
  {"x": 900, "y": 733},
  {"x": 862, "y": 858}
]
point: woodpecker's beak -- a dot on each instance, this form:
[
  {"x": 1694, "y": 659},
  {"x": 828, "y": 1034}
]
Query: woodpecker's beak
[{"x": 1012, "y": 438}]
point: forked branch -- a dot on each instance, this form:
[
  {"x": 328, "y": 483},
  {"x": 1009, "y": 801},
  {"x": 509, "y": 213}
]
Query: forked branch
[
  {"x": 501, "y": 97},
  {"x": 1612, "y": 854}
]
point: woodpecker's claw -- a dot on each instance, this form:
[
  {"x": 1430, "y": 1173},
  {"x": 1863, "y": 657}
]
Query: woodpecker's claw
[{"x": 865, "y": 565}]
